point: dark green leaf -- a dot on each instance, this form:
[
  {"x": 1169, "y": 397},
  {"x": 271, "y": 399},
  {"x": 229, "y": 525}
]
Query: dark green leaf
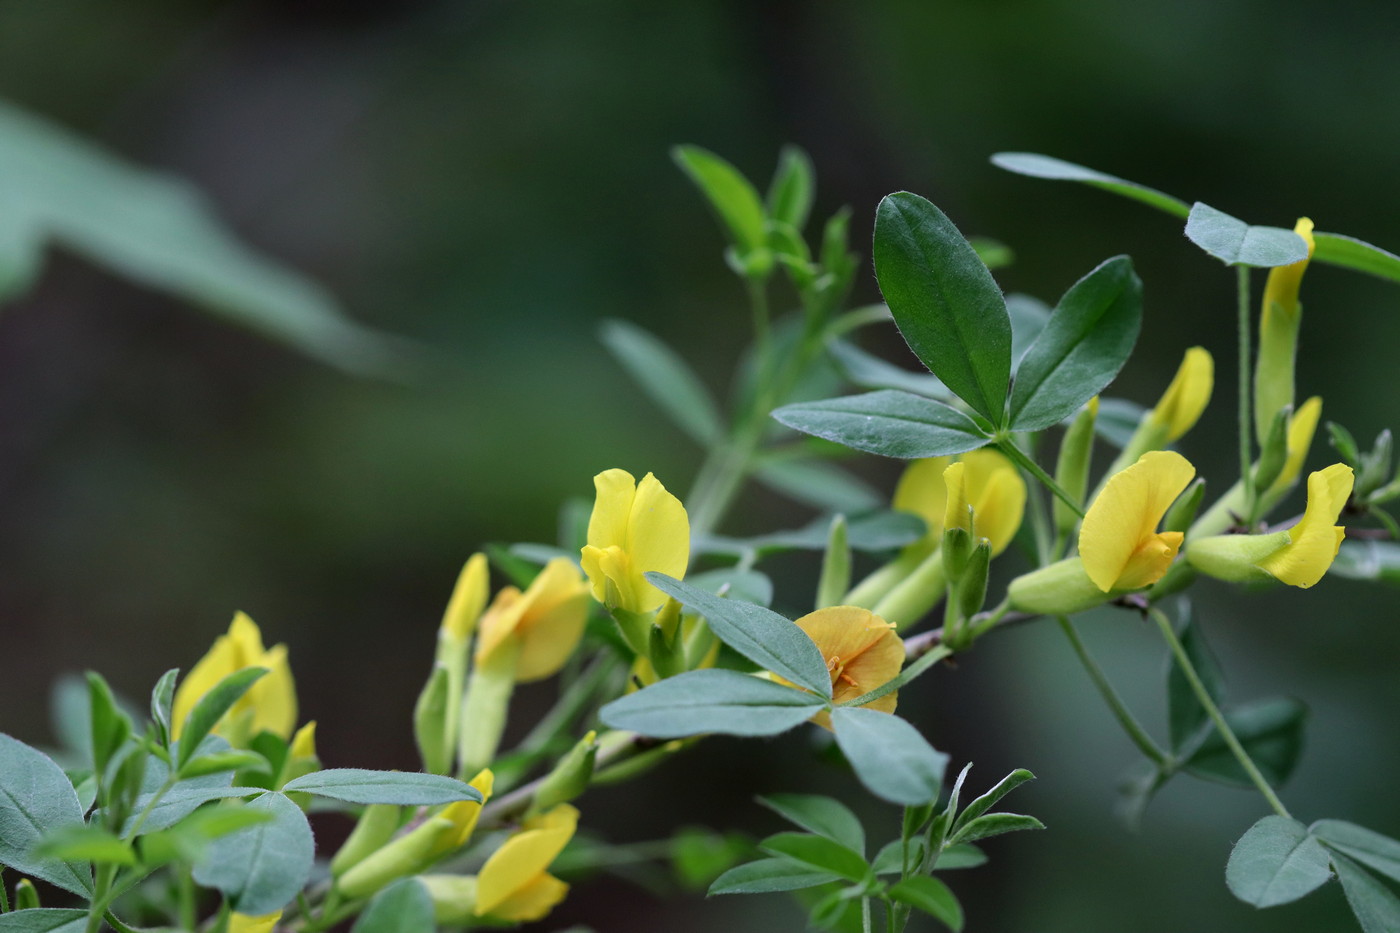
[
  {"x": 1368, "y": 560},
  {"x": 700, "y": 702},
  {"x": 1235, "y": 242},
  {"x": 868, "y": 371},
  {"x": 818, "y": 484},
  {"x": 794, "y": 186},
  {"x": 110, "y": 726},
  {"x": 1270, "y": 730},
  {"x": 665, "y": 378},
  {"x": 36, "y": 799},
  {"x": 729, "y": 193},
  {"x": 160, "y": 232},
  {"x": 1379, "y": 852},
  {"x": 1358, "y": 255},
  {"x": 889, "y": 756},
  {"x": 187, "y": 840},
  {"x": 962, "y": 855},
  {"x": 1043, "y": 166},
  {"x": 818, "y": 853},
  {"x": 932, "y": 897},
  {"x": 1185, "y": 714},
  {"x": 994, "y": 824},
  {"x": 749, "y": 585},
  {"x": 261, "y": 868},
  {"x": 236, "y": 760},
  {"x": 890, "y": 859},
  {"x": 821, "y": 815},
  {"x": 888, "y": 423},
  {"x": 1275, "y": 862},
  {"x": 211, "y": 708},
  {"x": 162, "y": 698},
  {"x": 988, "y": 800},
  {"x": 44, "y": 920},
  {"x": 412, "y": 789},
  {"x": 1083, "y": 346},
  {"x": 767, "y": 639},
  {"x": 768, "y": 875},
  {"x": 944, "y": 301},
  {"x": 403, "y": 907},
  {"x": 1376, "y": 907}
]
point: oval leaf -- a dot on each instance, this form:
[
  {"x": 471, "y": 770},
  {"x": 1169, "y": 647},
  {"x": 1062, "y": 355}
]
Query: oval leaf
[
  {"x": 1083, "y": 346},
  {"x": 1270, "y": 730},
  {"x": 261, "y": 868},
  {"x": 403, "y": 907},
  {"x": 769, "y": 875},
  {"x": 211, "y": 708},
  {"x": 44, "y": 920},
  {"x": 889, "y": 756},
  {"x": 889, "y": 423},
  {"x": 1379, "y": 852},
  {"x": 944, "y": 300},
  {"x": 769, "y": 640},
  {"x": 665, "y": 377},
  {"x": 932, "y": 897},
  {"x": 994, "y": 824},
  {"x": 729, "y": 193},
  {"x": 701, "y": 702},
  {"x": 405, "y": 788},
  {"x": 36, "y": 798},
  {"x": 821, "y": 815},
  {"x": 818, "y": 853},
  {"x": 1235, "y": 242},
  {"x": 1376, "y": 907},
  {"x": 1275, "y": 862},
  {"x": 1043, "y": 166}
]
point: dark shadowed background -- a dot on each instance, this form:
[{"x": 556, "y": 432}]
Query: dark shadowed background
[{"x": 492, "y": 179}]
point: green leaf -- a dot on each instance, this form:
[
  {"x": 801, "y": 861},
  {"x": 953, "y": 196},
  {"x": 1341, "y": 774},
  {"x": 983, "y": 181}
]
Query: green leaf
[
  {"x": 162, "y": 700},
  {"x": 1043, "y": 166},
  {"x": 819, "y": 484},
  {"x": 793, "y": 188},
  {"x": 159, "y": 231},
  {"x": 988, "y": 800},
  {"x": 70, "y": 709},
  {"x": 666, "y": 378},
  {"x": 993, "y": 253},
  {"x": 890, "y": 757},
  {"x": 78, "y": 843},
  {"x": 1357, "y": 255},
  {"x": 211, "y": 708},
  {"x": 962, "y": 855},
  {"x": 944, "y": 301},
  {"x": 1083, "y": 346},
  {"x": 818, "y": 853},
  {"x": 821, "y": 815},
  {"x": 110, "y": 726},
  {"x": 1368, "y": 560},
  {"x": 931, "y": 896},
  {"x": 888, "y": 423},
  {"x": 1235, "y": 242},
  {"x": 261, "y": 868},
  {"x": 1270, "y": 730},
  {"x": 1028, "y": 318},
  {"x": 890, "y": 859},
  {"x": 700, "y": 702},
  {"x": 1118, "y": 420},
  {"x": 699, "y": 856},
  {"x": 403, "y": 907},
  {"x": 1379, "y": 852},
  {"x": 870, "y": 372},
  {"x": 186, "y": 796},
  {"x": 767, "y": 639},
  {"x": 881, "y": 531},
  {"x": 189, "y": 838},
  {"x": 412, "y": 789},
  {"x": 1185, "y": 714},
  {"x": 729, "y": 193},
  {"x": 994, "y": 824},
  {"x": 1275, "y": 862},
  {"x": 44, "y": 920},
  {"x": 769, "y": 875},
  {"x": 1376, "y": 907},
  {"x": 749, "y": 585},
  {"x": 36, "y": 798}
]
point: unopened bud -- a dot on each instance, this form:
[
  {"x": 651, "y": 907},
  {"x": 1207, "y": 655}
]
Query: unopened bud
[
  {"x": 1273, "y": 452},
  {"x": 1183, "y": 511},
  {"x": 26, "y": 895},
  {"x": 454, "y": 898},
  {"x": 404, "y": 856},
  {"x": 376, "y": 826},
  {"x": 836, "y": 566},
  {"x": 1062, "y": 588},
  {"x": 958, "y": 545},
  {"x": 972, "y": 587},
  {"x": 570, "y": 776},
  {"x": 430, "y": 716},
  {"x": 1072, "y": 465}
]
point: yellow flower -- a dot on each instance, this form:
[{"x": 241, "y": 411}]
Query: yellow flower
[
  {"x": 1301, "y": 428},
  {"x": 1119, "y": 541},
  {"x": 468, "y": 599},
  {"x": 634, "y": 528},
  {"x": 269, "y": 705},
  {"x": 242, "y": 923},
  {"x": 514, "y": 884},
  {"x": 1281, "y": 289},
  {"x": 983, "y": 479},
  {"x": 1186, "y": 397},
  {"x": 464, "y": 813},
  {"x": 861, "y": 650},
  {"x": 545, "y": 622}
]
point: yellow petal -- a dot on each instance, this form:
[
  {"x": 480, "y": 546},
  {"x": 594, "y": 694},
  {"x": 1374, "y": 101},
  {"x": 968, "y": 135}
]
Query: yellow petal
[
  {"x": 921, "y": 491},
  {"x": 218, "y": 663},
  {"x": 997, "y": 494},
  {"x": 955, "y": 514},
  {"x": 658, "y": 539},
  {"x": 247, "y": 640},
  {"x": 533, "y": 901},
  {"x": 304, "y": 742},
  {"x": 498, "y": 622},
  {"x": 612, "y": 506},
  {"x": 554, "y": 621},
  {"x": 468, "y": 598},
  {"x": 861, "y": 650},
  {"x": 242, "y": 923},
  {"x": 273, "y": 698},
  {"x": 1188, "y": 394},
  {"x": 1314, "y": 541},
  {"x": 1119, "y": 532},
  {"x": 523, "y": 858},
  {"x": 1281, "y": 288},
  {"x": 1301, "y": 428},
  {"x": 464, "y": 813}
]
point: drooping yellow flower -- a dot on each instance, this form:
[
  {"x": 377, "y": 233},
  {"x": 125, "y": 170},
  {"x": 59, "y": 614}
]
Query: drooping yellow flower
[
  {"x": 984, "y": 479},
  {"x": 242, "y": 923},
  {"x": 1278, "y": 337},
  {"x": 862, "y": 651},
  {"x": 635, "y": 528},
  {"x": 1119, "y": 541},
  {"x": 514, "y": 884},
  {"x": 1186, "y": 397},
  {"x": 545, "y": 622},
  {"x": 269, "y": 705}
]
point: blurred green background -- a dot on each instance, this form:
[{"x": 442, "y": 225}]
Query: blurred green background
[{"x": 492, "y": 179}]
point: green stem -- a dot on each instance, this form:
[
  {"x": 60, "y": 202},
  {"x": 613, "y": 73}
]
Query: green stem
[
  {"x": 4, "y": 897},
  {"x": 1110, "y": 696},
  {"x": 578, "y": 695},
  {"x": 188, "y": 914},
  {"x": 120, "y": 927},
  {"x": 1203, "y": 696},
  {"x": 1007, "y": 446},
  {"x": 865, "y": 924},
  {"x": 1245, "y": 419}
]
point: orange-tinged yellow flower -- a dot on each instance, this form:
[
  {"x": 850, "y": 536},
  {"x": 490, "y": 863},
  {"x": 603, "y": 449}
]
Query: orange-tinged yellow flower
[
  {"x": 1314, "y": 541},
  {"x": 635, "y": 528},
  {"x": 1186, "y": 397},
  {"x": 1119, "y": 541},
  {"x": 984, "y": 479},
  {"x": 861, "y": 650},
  {"x": 514, "y": 884},
  {"x": 545, "y": 622},
  {"x": 242, "y": 923},
  {"x": 269, "y": 705}
]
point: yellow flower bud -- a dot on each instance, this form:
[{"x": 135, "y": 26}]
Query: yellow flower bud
[
  {"x": 468, "y": 599},
  {"x": 269, "y": 705},
  {"x": 546, "y": 621},
  {"x": 1278, "y": 337},
  {"x": 1119, "y": 541},
  {"x": 635, "y": 528},
  {"x": 242, "y": 923},
  {"x": 1186, "y": 397}
]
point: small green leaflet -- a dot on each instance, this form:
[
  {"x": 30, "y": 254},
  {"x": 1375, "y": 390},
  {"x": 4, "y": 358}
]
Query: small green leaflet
[
  {"x": 889, "y": 423},
  {"x": 1043, "y": 166},
  {"x": 1275, "y": 862},
  {"x": 711, "y": 701},
  {"x": 1236, "y": 243},
  {"x": 889, "y": 756},
  {"x": 413, "y": 789}
]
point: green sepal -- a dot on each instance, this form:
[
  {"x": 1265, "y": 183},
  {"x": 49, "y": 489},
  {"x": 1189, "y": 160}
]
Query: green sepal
[
  {"x": 1072, "y": 466},
  {"x": 667, "y": 655},
  {"x": 835, "y": 577},
  {"x": 1235, "y": 558},
  {"x": 1060, "y": 589},
  {"x": 958, "y": 547},
  {"x": 26, "y": 895},
  {"x": 971, "y": 589},
  {"x": 1183, "y": 511},
  {"x": 1273, "y": 451},
  {"x": 570, "y": 777},
  {"x": 435, "y": 746},
  {"x": 110, "y": 726}
]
